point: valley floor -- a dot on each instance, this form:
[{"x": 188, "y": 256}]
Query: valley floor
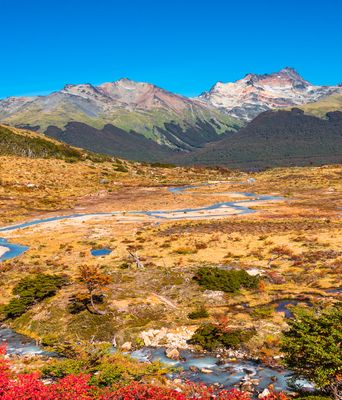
[{"x": 293, "y": 240}]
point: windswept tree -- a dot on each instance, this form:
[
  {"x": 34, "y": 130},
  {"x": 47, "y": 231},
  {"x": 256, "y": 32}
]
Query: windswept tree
[
  {"x": 312, "y": 348},
  {"x": 94, "y": 281}
]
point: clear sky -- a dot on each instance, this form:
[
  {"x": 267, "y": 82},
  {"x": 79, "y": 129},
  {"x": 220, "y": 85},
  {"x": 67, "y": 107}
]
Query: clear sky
[{"x": 184, "y": 46}]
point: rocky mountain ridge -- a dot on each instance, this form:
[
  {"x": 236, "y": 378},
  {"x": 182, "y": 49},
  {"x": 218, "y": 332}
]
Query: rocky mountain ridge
[
  {"x": 248, "y": 97},
  {"x": 132, "y": 106}
]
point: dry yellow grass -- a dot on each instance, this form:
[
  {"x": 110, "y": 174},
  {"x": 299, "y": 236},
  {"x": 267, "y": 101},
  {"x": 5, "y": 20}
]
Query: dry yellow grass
[{"x": 308, "y": 223}]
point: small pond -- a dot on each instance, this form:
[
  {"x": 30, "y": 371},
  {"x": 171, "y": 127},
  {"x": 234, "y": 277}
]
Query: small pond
[{"x": 100, "y": 252}]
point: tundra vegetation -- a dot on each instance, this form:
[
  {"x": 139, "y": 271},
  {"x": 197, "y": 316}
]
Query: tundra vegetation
[{"x": 223, "y": 279}]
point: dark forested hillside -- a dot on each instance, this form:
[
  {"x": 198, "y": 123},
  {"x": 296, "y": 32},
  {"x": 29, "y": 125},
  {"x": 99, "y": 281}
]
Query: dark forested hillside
[
  {"x": 111, "y": 140},
  {"x": 277, "y": 138}
]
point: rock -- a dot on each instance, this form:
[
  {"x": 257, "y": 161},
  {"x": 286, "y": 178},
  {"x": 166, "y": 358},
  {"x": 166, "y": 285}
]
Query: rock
[
  {"x": 216, "y": 295},
  {"x": 104, "y": 181},
  {"x": 172, "y": 353},
  {"x": 255, "y": 271},
  {"x": 127, "y": 346},
  {"x": 146, "y": 339},
  {"x": 264, "y": 393},
  {"x": 206, "y": 371},
  {"x": 248, "y": 371},
  {"x": 246, "y": 386},
  {"x": 192, "y": 368}
]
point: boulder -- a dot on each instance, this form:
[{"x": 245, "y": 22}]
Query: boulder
[
  {"x": 206, "y": 371},
  {"x": 172, "y": 353},
  {"x": 264, "y": 393},
  {"x": 146, "y": 339},
  {"x": 127, "y": 346}
]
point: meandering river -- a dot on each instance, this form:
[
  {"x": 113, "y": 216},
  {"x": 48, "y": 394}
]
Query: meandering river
[{"x": 215, "y": 210}]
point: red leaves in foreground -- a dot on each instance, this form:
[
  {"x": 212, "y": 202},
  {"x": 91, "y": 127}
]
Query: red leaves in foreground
[{"x": 77, "y": 387}]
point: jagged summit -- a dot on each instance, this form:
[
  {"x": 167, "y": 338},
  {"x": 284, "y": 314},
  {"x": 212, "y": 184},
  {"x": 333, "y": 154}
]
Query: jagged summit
[{"x": 255, "y": 93}]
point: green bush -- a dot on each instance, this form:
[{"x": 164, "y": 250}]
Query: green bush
[
  {"x": 201, "y": 313},
  {"x": 211, "y": 337},
  {"x": 61, "y": 368},
  {"x": 162, "y": 165},
  {"x": 105, "y": 369},
  {"x": 31, "y": 290},
  {"x": 214, "y": 278},
  {"x": 312, "y": 346},
  {"x": 262, "y": 312}
]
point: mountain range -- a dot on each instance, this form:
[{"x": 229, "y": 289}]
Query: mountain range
[
  {"x": 225, "y": 125},
  {"x": 167, "y": 118}
]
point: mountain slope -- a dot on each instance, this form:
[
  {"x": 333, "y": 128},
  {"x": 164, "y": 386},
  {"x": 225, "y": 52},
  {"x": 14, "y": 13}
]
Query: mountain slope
[
  {"x": 277, "y": 138},
  {"x": 248, "y": 97},
  {"x": 322, "y": 107},
  {"x": 112, "y": 141},
  {"x": 131, "y": 106},
  {"x": 18, "y": 142}
]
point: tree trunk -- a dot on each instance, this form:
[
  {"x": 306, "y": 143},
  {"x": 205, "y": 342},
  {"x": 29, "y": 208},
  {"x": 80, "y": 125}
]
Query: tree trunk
[
  {"x": 135, "y": 257},
  {"x": 94, "y": 307},
  {"x": 336, "y": 391}
]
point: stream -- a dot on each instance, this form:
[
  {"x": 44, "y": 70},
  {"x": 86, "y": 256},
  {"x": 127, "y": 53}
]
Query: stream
[
  {"x": 227, "y": 374},
  {"x": 241, "y": 207}
]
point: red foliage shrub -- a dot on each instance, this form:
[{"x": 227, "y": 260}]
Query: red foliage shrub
[
  {"x": 77, "y": 387},
  {"x": 138, "y": 391}
]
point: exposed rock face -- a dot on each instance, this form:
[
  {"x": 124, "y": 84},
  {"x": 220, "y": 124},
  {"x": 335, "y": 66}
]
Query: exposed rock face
[{"x": 250, "y": 96}]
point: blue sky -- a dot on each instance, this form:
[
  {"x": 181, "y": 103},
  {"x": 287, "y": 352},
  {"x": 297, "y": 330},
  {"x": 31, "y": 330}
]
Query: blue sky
[{"x": 183, "y": 46}]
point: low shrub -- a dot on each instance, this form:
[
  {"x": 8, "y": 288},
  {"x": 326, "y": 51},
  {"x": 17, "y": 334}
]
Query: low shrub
[
  {"x": 31, "y": 290},
  {"x": 211, "y": 337},
  {"x": 200, "y": 313},
  {"x": 262, "y": 312},
  {"x": 104, "y": 369},
  {"x": 214, "y": 278}
]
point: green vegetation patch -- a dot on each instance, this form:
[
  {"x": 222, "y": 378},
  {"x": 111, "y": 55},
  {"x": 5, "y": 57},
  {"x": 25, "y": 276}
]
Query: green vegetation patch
[
  {"x": 106, "y": 369},
  {"x": 211, "y": 337},
  {"x": 312, "y": 347},
  {"x": 200, "y": 313},
  {"x": 33, "y": 145},
  {"x": 31, "y": 290},
  {"x": 213, "y": 278}
]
